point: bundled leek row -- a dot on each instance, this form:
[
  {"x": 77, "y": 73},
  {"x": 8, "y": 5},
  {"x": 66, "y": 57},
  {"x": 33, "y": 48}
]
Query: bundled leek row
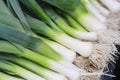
[
  {"x": 44, "y": 61},
  {"x": 63, "y": 25},
  {"x": 34, "y": 24},
  {"x": 4, "y": 76},
  {"x": 62, "y": 38},
  {"x": 73, "y": 44},
  {"x": 57, "y": 47},
  {"x": 109, "y": 33},
  {"x": 39, "y": 46},
  {"x": 78, "y": 11},
  {"x": 26, "y": 44},
  {"x": 37, "y": 29},
  {"x": 105, "y": 36},
  {"x": 89, "y": 36},
  {"x": 51, "y": 33},
  {"x": 56, "y": 36},
  {"x": 57, "y": 56},
  {"x": 58, "y": 60},
  {"x": 41, "y": 71},
  {"x": 13, "y": 22},
  {"x": 22, "y": 42},
  {"x": 70, "y": 57}
]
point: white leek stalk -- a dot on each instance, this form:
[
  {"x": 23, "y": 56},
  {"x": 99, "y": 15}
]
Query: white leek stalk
[
  {"x": 88, "y": 36},
  {"x": 66, "y": 53},
  {"x": 100, "y": 8},
  {"x": 112, "y": 5},
  {"x": 93, "y": 10},
  {"x": 28, "y": 75},
  {"x": 83, "y": 48},
  {"x": 92, "y": 23}
]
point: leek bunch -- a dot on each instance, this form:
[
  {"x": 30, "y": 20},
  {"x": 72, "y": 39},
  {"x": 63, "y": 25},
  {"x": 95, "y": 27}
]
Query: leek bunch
[{"x": 40, "y": 40}]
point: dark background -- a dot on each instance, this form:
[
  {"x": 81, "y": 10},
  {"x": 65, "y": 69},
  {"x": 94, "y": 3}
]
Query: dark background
[
  {"x": 114, "y": 69},
  {"x": 117, "y": 71},
  {"x": 117, "y": 68}
]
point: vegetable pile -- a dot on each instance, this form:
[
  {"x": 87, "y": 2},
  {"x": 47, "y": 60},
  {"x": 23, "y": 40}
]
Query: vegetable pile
[{"x": 57, "y": 40}]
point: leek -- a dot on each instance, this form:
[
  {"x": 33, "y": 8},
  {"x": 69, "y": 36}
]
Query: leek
[
  {"x": 64, "y": 26},
  {"x": 70, "y": 44},
  {"x": 4, "y": 8},
  {"x": 24, "y": 44},
  {"x": 73, "y": 44},
  {"x": 4, "y": 76},
  {"x": 73, "y": 23},
  {"x": 11, "y": 21},
  {"x": 46, "y": 73},
  {"x": 100, "y": 8},
  {"x": 90, "y": 36},
  {"x": 65, "y": 41},
  {"x": 42, "y": 60},
  {"x": 29, "y": 42},
  {"x": 32, "y": 44},
  {"x": 70, "y": 57},
  {"x": 75, "y": 10},
  {"x": 46, "y": 31},
  {"x": 112, "y": 5},
  {"x": 15, "y": 69},
  {"x": 15, "y": 5},
  {"x": 78, "y": 11},
  {"x": 33, "y": 5},
  {"x": 67, "y": 54},
  {"x": 93, "y": 10}
]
